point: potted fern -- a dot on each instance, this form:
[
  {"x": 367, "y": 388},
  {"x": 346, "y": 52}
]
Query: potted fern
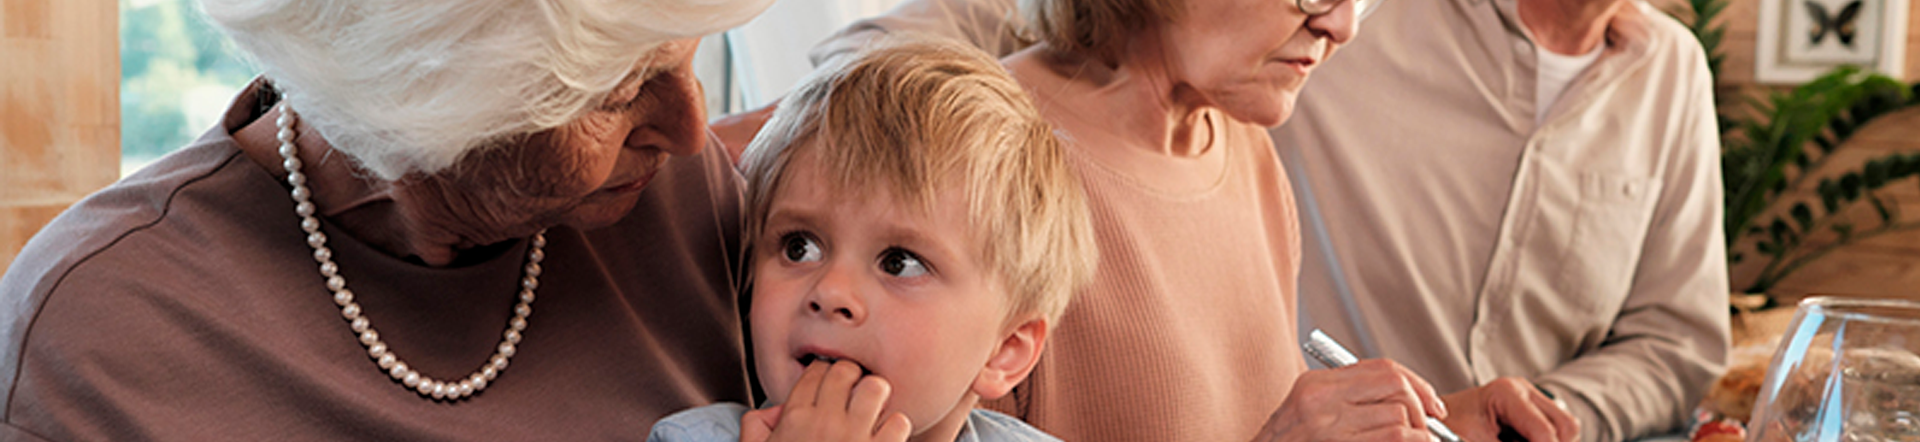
[{"x": 1789, "y": 144}]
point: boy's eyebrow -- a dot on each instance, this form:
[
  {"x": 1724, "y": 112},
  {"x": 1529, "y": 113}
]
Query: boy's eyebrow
[
  {"x": 789, "y": 214},
  {"x": 929, "y": 243}
]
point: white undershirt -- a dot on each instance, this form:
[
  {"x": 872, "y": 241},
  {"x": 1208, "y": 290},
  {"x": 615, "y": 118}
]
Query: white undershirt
[{"x": 1555, "y": 73}]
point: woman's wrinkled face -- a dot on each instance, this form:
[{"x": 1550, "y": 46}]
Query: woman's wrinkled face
[
  {"x": 585, "y": 174},
  {"x": 1251, "y": 57}
]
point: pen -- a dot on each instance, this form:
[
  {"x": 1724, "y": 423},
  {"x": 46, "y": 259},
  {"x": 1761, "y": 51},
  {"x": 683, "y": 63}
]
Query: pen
[{"x": 1335, "y": 356}]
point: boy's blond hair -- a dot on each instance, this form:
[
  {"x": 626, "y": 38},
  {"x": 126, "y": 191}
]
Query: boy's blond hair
[{"x": 912, "y": 115}]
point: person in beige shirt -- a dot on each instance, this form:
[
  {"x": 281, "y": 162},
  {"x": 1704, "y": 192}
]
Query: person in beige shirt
[
  {"x": 1518, "y": 199},
  {"x": 1569, "y": 239}
]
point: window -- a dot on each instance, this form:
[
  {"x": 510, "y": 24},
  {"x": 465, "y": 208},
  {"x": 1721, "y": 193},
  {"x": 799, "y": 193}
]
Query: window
[{"x": 177, "y": 74}]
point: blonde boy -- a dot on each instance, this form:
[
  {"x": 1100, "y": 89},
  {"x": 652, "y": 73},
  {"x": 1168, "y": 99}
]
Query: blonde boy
[{"x": 916, "y": 232}]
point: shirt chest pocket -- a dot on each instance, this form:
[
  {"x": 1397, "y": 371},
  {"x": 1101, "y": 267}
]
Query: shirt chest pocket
[{"x": 1591, "y": 226}]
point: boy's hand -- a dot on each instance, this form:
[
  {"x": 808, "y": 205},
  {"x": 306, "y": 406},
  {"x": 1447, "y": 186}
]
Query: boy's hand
[
  {"x": 1374, "y": 400},
  {"x": 829, "y": 403},
  {"x": 757, "y": 425}
]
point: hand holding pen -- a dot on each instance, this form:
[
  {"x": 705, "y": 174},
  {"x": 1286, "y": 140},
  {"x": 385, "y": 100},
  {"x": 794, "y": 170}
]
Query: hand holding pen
[
  {"x": 1373, "y": 400},
  {"x": 1486, "y": 408},
  {"x": 1333, "y": 355}
]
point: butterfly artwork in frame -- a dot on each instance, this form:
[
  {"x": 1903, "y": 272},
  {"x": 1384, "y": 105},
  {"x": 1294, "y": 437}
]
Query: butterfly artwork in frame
[
  {"x": 1800, "y": 39},
  {"x": 1842, "y": 25}
]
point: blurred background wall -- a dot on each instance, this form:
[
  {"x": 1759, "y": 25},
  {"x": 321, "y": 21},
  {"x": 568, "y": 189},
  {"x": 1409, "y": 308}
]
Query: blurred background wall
[{"x": 59, "y": 110}]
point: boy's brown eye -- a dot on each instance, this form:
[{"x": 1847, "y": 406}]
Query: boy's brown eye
[
  {"x": 799, "y": 247},
  {"x": 902, "y": 264}
]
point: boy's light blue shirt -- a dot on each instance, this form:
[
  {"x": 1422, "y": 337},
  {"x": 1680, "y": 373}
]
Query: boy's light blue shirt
[{"x": 721, "y": 422}]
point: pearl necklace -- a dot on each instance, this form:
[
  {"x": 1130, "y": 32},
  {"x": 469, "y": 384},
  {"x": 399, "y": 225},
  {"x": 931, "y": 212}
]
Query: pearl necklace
[{"x": 350, "y": 310}]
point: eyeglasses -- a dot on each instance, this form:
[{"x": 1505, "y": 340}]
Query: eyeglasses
[{"x": 1363, "y": 8}]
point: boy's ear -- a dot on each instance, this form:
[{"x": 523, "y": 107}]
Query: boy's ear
[{"x": 1013, "y": 360}]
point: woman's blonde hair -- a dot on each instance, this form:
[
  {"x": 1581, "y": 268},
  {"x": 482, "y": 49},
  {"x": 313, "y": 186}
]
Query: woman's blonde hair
[
  {"x": 1096, "y": 28},
  {"x": 915, "y": 116},
  {"x": 412, "y": 86}
]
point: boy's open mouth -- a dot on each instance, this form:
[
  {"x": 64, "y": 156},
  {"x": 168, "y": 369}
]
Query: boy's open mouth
[{"x": 806, "y": 359}]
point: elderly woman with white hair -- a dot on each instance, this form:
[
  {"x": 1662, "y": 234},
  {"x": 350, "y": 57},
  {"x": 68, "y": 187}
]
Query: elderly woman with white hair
[{"x": 359, "y": 249}]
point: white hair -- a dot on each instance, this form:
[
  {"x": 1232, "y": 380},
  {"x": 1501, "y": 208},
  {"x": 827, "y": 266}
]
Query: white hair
[{"x": 410, "y": 86}]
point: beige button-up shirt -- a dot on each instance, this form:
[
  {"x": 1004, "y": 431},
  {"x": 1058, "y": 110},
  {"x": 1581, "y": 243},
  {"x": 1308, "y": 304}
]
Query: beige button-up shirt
[{"x": 1448, "y": 231}]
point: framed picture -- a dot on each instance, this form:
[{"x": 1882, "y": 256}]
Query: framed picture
[{"x": 1801, "y": 39}]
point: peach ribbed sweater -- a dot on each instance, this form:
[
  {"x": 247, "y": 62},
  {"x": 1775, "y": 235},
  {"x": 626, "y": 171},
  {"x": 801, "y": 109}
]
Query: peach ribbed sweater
[{"x": 1187, "y": 333}]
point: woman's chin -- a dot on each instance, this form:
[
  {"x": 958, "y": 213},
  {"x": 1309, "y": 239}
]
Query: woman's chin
[
  {"x": 602, "y": 211},
  {"x": 1272, "y": 114}
]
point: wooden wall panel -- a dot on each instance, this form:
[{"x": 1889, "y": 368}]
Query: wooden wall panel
[{"x": 59, "y": 110}]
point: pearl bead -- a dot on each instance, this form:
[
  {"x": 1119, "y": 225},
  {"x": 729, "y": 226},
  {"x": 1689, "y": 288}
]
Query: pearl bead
[{"x": 378, "y": 350}]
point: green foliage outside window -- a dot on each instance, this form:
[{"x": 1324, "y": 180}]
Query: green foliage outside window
[{"x": 176, "y": 74}]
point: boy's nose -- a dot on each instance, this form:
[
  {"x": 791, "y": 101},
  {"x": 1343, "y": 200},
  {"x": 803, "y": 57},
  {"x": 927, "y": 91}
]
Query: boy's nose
[{"x": 836, "y": 296}]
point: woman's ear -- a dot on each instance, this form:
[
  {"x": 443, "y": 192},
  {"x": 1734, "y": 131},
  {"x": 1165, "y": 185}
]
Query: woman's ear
[{"x": 1013, "y": 360}]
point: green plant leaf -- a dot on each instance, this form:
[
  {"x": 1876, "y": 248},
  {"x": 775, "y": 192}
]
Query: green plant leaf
[
  {"x": 1782, "y": 233},
  {"x": 1850, "y": 186},
  {"x": 1876, "y": 174},
  {"x": 1886, "y": 216},
  {"x": 1803, "y": 215},
  {"x": 1829, "y": 192}
]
